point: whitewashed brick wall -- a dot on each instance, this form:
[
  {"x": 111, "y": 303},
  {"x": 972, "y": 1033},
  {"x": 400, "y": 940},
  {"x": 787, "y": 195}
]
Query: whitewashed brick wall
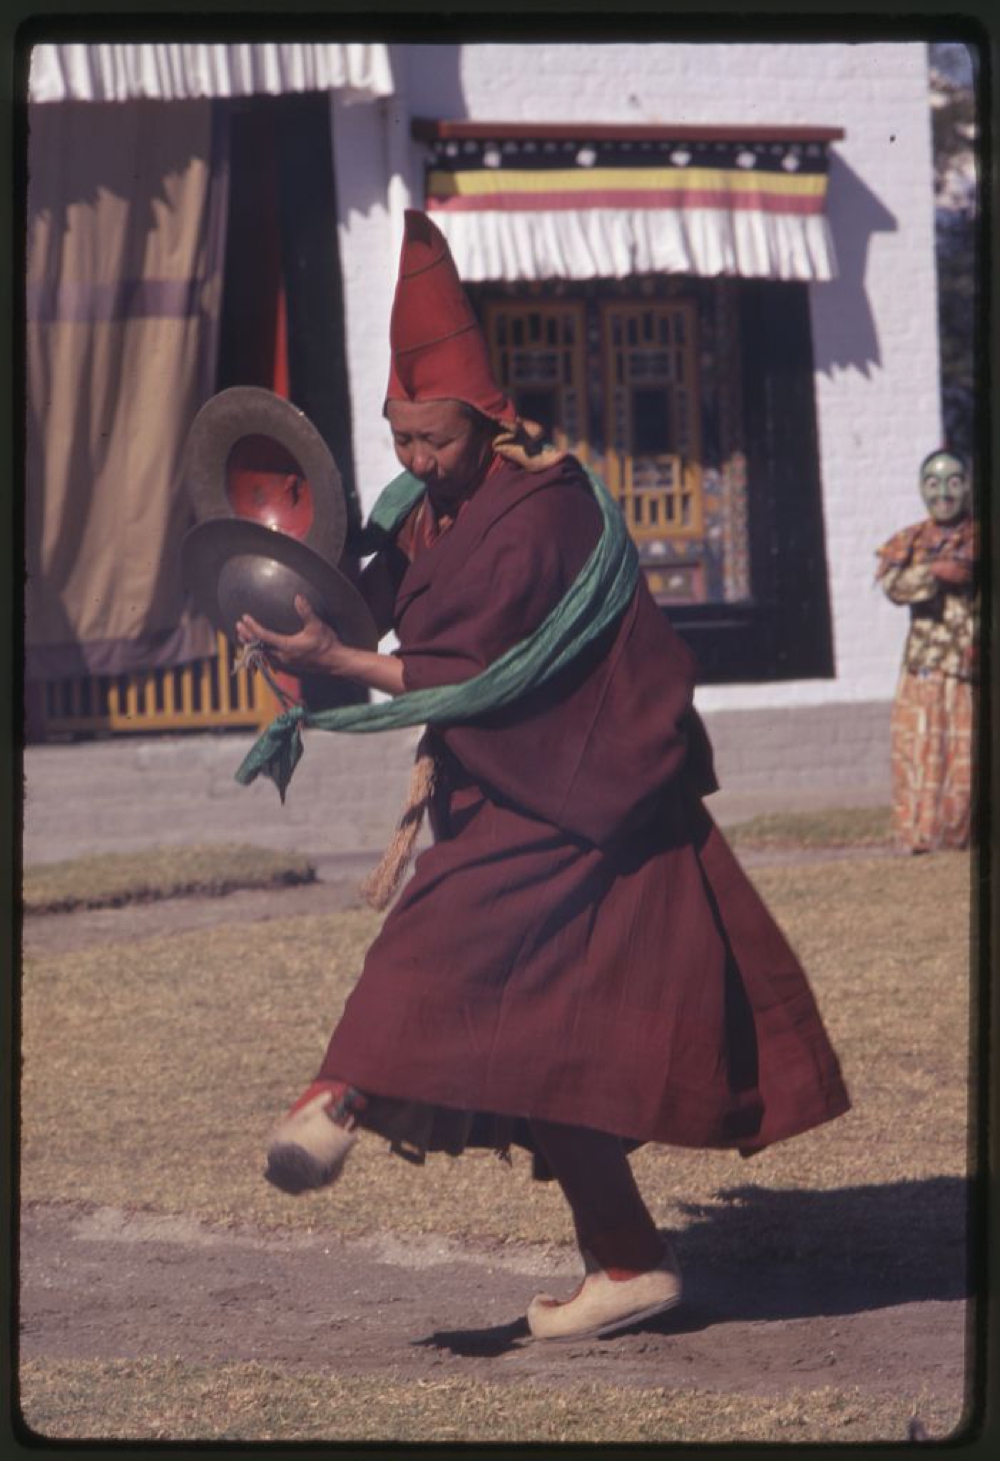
[{"x": 874, "y": 329}]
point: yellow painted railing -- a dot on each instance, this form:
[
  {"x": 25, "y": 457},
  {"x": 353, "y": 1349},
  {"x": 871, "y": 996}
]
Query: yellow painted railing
[{"x": 202, "y": 695}]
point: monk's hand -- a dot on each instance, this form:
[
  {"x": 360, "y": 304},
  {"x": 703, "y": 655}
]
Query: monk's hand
[
  {"x": 313, "y": 648},
  {"x": 949, "y": 571}
]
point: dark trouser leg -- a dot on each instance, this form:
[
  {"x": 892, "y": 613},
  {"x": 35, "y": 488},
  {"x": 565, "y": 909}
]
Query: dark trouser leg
[{"x": 613, "y": 1224}]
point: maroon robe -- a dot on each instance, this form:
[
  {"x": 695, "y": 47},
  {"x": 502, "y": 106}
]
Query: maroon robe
[{"x": 579, "y": 944}]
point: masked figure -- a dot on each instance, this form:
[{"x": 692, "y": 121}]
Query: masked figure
[
  {"x": 930, "y": 567},
  {"x": 578, "y": 964}
]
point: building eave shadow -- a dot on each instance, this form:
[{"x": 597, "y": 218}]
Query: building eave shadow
[{"x": 847, "y": 334}]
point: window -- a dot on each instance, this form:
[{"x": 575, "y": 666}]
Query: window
[
  {"x": 693, "y": 400},
  {"x": 642, "y": 429},
  {"x": 652, "y": 433},
  {"x": 538, "y": 356}
]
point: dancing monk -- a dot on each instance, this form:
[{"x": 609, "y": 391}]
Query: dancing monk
[{"x": 578, "y": 964}]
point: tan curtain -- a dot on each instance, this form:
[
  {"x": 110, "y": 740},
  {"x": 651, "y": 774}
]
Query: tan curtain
[{"x": 126, "y": 221}]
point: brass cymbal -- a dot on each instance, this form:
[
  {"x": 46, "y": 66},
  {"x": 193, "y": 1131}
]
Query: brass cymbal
[
  {"x": 242, "y": 421},
  {"x": 233, "y": 566}
]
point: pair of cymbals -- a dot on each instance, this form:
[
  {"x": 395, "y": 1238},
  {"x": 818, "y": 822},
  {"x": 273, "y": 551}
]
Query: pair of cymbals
[{"x": 252, "y": 440}]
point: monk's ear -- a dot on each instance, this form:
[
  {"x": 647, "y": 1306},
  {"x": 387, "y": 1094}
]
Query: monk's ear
[{"x": 483, "y": 424}]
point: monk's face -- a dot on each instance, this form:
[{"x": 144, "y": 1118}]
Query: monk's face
[
  {"x": 945, "y": 488},
  {"x": 439, "y": 443}
]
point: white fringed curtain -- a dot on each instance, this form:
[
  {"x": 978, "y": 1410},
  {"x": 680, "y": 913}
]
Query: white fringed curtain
[
  {"x": 608, "y": 243},
  {"x": 179, "y": 72}
]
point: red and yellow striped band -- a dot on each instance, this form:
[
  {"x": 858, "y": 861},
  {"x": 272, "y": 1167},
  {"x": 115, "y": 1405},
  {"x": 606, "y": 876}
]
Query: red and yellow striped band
[{"x": 618, "y": 187}]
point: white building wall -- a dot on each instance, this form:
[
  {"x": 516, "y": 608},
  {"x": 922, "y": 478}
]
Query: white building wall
[
  {"x": 369, "y": 232},
  {"x": 874, "y": 328}
]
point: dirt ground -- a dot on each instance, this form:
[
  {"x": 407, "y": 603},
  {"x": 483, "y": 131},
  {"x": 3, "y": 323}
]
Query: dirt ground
[{"x": 101, "y": 1283}]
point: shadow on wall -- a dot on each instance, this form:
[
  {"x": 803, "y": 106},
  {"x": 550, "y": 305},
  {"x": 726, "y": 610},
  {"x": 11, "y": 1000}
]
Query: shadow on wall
[
  {"x": 432, "y": 81},
  {"x": 427, "y": 82},
  {"x": 848, "y": 336},
  {"x": 432, "y": 78},
  {"x": 133, "y": 152}
]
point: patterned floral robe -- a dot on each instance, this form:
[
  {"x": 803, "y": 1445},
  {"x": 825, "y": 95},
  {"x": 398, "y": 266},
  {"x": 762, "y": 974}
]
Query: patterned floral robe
[{"x": 933, "y": 711}]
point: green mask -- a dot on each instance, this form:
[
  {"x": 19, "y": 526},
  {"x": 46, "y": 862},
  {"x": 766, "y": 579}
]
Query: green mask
[{"x": 944, "y": 487}]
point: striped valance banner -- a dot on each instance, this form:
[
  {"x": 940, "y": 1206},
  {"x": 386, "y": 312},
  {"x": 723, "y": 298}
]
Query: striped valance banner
[
  {"x": 774, "y": 176},
  {"x": 580, "y": 207}
]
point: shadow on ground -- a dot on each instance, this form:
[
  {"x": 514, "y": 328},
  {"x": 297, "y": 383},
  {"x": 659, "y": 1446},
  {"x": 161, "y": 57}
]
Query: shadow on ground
[
  {"x": 477, "y": 1343},
  {"x": 771, "y": 1254},
  {"x": 760, "y": 1254}
]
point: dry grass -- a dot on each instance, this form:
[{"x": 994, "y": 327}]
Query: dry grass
[
  {"x": 110, "y": 879},
  {"x": 153, "y": 1400},
  {"x": 836, "y": 827},
  {"x": 153, "y": 1072}
]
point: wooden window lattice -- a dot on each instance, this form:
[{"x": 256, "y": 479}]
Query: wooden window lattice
[
  {"x": 538, "y": 352},
  {"x": 659, "y": 490}
]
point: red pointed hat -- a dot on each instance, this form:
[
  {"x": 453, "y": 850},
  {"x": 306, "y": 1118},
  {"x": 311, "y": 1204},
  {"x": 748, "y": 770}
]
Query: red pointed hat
[{"x": 438, "y": 349}]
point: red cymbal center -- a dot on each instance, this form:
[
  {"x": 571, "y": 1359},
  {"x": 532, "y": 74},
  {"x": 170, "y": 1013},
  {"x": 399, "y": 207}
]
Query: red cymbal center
[{"x": 266, "y": 484}]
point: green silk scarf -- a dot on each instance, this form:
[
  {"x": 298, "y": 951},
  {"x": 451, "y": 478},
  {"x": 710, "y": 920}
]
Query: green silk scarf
[{"x": 595, "y": 598}]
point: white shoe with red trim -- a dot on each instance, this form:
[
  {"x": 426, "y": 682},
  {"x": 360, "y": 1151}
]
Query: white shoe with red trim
[
  {"x": 602, "y": 1305},
  {"x": 309, "y": 1147}
]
